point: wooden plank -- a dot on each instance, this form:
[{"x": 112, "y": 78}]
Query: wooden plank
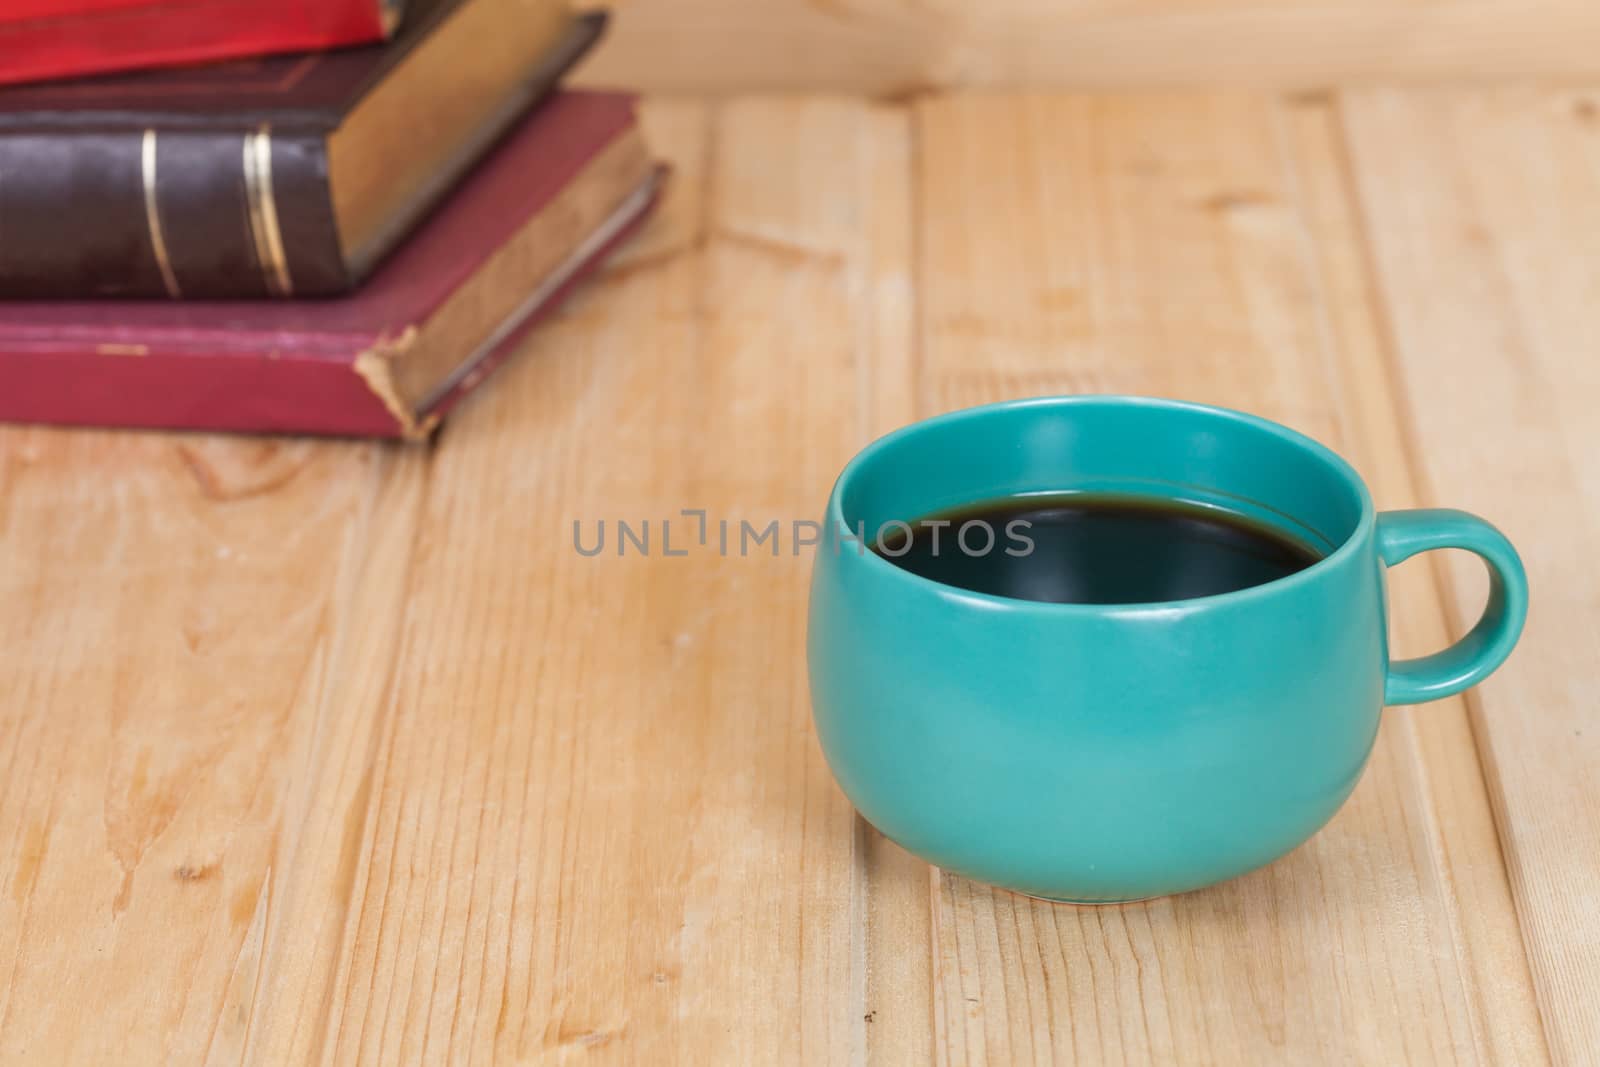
[
  {"x": 333, "y": 753},
  {"x": 1156, "y": 244},
  {"x": 1465, "y": 850},
  {"x": 899, "y": 966},
  {"x": 279, "y": 1014},
  {"x": 175, "y": 612},
  {"x": 893, "y": 47},
  {"x": 1480, "y": 207},
  {"x": 599, "y": 823}
]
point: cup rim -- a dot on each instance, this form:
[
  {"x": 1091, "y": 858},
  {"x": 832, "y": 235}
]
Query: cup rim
[{"x": 1277, "y": 586}]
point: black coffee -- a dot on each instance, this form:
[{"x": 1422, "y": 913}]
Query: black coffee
[{"x": 1089, "y": 549}]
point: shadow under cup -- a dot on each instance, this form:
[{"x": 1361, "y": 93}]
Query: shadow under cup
[{"x": 1098, "y": 753}]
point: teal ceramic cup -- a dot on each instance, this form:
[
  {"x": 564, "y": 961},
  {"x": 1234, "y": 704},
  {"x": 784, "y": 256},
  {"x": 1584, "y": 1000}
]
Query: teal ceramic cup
[{"x": 1099, "y": 753}]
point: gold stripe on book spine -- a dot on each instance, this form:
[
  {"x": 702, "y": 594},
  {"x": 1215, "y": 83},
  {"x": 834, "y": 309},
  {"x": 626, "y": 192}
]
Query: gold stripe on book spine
[
  {"x": 152, "y": 215},
  {"x": 264, "y": 212}
]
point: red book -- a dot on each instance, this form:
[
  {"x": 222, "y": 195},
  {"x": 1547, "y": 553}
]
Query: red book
[
  {"x": 441, "y": 313},
  {"x": 42, "y": 39}
]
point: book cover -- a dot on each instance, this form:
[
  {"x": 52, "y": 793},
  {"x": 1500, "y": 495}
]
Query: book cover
[
  {"x": 44, "y": 39},
  {"x": 390, "y": 360},
  {"x": 281, "y": 177}
]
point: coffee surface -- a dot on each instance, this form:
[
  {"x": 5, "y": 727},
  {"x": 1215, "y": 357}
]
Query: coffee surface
[{"x": 1093, "y": 549}]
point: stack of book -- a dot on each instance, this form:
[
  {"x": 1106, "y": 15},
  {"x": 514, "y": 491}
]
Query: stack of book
[{"x": 336, "y": 241}]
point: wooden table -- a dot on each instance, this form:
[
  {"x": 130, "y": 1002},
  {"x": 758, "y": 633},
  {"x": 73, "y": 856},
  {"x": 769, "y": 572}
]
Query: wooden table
[{"x": 340, "y": 752}]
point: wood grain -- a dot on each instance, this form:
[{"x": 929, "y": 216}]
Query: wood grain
[
  {"x": 1157, "y": 244},
  {"x": 898, "y": 1007},
  {"x": 893, "y": 47},
  {"x": 599, "y": 824},
  {"x": 1464, "y": 847},
  {"x": 1478, "y": 206},
  {"x": 317, "y": 752},
  {"x": 173, "y": 613}
]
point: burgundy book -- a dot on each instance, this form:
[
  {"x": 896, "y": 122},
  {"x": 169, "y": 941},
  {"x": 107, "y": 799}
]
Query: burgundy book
[
  {"x": 283, "y": 177},
  {"x": 390, "y": 360}
]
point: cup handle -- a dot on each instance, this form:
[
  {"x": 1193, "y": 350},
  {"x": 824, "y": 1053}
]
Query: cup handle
[{"x": 1401, "y": 535}]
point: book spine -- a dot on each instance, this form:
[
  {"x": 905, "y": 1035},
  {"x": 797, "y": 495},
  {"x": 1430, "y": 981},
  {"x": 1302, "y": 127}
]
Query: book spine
[
  {"x": 72, "y": 43},
  {"x": 183, "y": 214},
  {"x": 129, "y": 387}
]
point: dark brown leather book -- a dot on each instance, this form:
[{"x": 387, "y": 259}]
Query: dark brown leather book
[
  {"x": 288, "y": 176},
  {"x": 542, "y": 209}
]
